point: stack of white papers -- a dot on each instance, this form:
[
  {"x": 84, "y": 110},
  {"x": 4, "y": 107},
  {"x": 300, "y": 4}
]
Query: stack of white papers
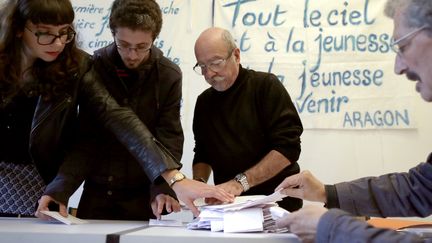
[{"x": 245, "y": 214}]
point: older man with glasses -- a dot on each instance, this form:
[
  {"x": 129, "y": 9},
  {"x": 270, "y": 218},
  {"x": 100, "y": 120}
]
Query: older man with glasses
[
  {"x": 392, "y": 195},
  {"x": 246, "y": 128}
]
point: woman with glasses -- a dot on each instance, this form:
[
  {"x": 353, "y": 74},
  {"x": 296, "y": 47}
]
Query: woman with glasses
[{"x": 39, "y": 65}]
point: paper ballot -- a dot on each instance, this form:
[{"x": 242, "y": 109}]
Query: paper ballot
[
  {"x": 165, "y": 222},
  {"x": 246, "y": 214},
  {"x": 244, "y": 220},
  {"x": 242, "y": 202},
  {"x": 69, "y": 220}
]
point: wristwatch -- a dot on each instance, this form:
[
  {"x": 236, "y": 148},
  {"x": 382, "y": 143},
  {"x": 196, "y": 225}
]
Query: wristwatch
[
  {"x": 177, "y": 177},
  {"x": 241, "y": 178}
]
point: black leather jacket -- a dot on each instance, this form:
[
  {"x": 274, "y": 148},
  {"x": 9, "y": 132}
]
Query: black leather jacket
[
  {"x": 155, "y": 97},
  {"x": 154, "y": 93},
  {"x": 53, "y": 127}
]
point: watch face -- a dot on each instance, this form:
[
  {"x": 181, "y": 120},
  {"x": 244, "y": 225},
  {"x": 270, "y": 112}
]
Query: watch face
[
  {"x": 240, "y": 177},
  {"x": 179, "y": 176}
]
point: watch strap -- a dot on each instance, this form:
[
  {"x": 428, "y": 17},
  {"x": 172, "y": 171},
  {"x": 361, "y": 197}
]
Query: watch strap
[{"x": 242, "y": 179}]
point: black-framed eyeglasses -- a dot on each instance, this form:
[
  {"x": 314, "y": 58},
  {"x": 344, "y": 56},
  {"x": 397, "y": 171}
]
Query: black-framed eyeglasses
[
  {"x": 138, "y": 49},
  {"x": 216, "y": 65},
  {"x": 45, "y": 38},
  {"x": 395, "y": 45}
]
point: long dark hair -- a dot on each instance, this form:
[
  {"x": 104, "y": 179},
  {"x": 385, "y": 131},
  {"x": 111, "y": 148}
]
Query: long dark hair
[{"x": 52, "y": 77}]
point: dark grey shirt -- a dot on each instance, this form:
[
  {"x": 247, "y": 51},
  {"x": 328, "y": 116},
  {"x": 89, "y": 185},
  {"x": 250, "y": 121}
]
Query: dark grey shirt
[{"x": 390, "y": 195}]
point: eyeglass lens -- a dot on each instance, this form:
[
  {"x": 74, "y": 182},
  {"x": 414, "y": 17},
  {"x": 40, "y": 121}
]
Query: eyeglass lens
[
  {"x": 138, "y": 49},
  {"x": 46, "y": 39},
  {"x": 215, "y": 66}
]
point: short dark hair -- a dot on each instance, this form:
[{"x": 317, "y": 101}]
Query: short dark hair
[{"x": 143, "y": 15}]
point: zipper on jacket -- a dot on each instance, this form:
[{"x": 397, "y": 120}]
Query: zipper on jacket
[{"x": 46, "y": 114}]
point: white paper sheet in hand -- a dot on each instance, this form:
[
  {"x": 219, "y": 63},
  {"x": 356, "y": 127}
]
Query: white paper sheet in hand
[
  {"x": 242, "y": 202},
  {"x": 276, "y": 196},
  {"x": 278, "y": 213},
  {"x": 69, "y": 220}
]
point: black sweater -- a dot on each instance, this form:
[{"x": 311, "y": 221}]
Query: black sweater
[{"x": 236, "y": 128}]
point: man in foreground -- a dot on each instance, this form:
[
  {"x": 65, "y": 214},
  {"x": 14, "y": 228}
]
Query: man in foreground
[{"x": 391, "y": 195}]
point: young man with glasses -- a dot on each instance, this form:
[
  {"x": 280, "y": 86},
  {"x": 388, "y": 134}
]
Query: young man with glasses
[
  {"x": 138, "y": 76},
  {"x": 406, "y": 194},
  {"x": 246, "y": 128}
]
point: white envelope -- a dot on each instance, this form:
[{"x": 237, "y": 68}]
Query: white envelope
[
  {"x": 245, "y": 220},
  {"x": 69, "y": 220}
]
